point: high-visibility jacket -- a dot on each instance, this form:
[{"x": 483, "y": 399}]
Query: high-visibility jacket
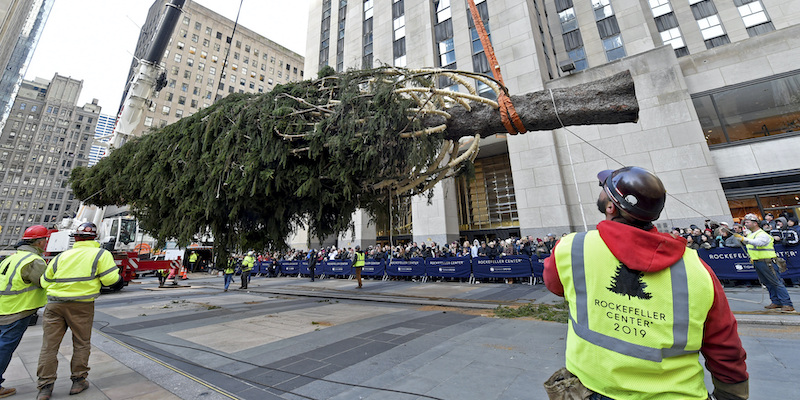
[
  {"x": 193, "y": 257},
  {"x": 360, "y": 260},
  {"x": 16, "y": 295},
  {"x": 765, "y": 252},
  {"x": 634, "y": 335},
  {"x": 79, "y": 273},
  {"x": 230, "y": 268},
  {"x": 248, "y": 262}
]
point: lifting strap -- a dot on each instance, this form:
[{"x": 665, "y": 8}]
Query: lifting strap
[{"x": 507, "y": 112}]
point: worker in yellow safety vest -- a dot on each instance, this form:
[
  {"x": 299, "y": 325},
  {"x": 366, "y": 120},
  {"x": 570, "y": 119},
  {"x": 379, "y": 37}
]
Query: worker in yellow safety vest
[
  {"x": 642, "y": 306},
  {"x": 73, "y": 280},
  {"x": 21, "y": 294},
  {"x": 193, "y": 261},
  {"x": 359, "y": 260},
  {"x": 760, "y": 247},
  {"x": 247, "y": 265}
]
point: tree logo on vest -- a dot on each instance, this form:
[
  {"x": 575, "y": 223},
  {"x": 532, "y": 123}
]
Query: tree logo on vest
[{"x": 629, "y": 282}]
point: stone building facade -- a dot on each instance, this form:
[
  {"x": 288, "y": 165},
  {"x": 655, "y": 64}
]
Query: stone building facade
[
  {"x": 717, "y": 82},
  {"x": 202, "y": 42}
]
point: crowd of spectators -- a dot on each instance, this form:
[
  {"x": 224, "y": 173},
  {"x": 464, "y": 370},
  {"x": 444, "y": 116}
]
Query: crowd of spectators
[
  {"x": 527, "y": 246},
  {"x": 785, "y": 230}
]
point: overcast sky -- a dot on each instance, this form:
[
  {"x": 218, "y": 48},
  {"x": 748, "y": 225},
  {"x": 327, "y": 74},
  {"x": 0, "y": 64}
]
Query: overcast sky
[{"x": 94, "y": 40}]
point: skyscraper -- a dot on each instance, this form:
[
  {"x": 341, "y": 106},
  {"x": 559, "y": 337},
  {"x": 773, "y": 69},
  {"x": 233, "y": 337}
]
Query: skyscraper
[
  {"x": 104, "y": 128},
  {"x": 717, "y": 83},
  {"x": 46, "y": 136},
  {"x": 21, "y": 25}
]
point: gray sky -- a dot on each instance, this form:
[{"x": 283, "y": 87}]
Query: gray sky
[{"x": 80, "y": 39}]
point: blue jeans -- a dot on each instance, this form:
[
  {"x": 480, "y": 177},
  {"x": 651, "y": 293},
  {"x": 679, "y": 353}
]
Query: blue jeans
[
  {"x": 228, "y": 280},
  {"x": 10, "y": 336},
  {"x": 769, "y": 275}
]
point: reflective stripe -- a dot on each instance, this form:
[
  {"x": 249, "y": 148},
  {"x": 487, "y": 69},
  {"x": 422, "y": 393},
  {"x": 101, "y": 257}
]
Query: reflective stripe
[
  {"x": 78, "y": 279},
  {"x": 108, "y": 271},
  {"x": 13, "y": 274},
  {"x": 680, "y": 299},
  {"x": 86, "y": 297}
]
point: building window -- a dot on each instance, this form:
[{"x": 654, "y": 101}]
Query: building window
[
  {"x": 609, "y": 29},
  {"x": 178, "y": 57},
  {"x": 754, "y": 16},
  {"x": 708, "y": 20},
  {"x": 752, "y": 110},
  {"x": 165, "y": 110},
  {"x": 367, "y": 59},
  {"x": 489, "y": 200}
]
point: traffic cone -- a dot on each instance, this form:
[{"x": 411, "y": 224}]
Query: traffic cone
[{"x": 183, "y": 273}]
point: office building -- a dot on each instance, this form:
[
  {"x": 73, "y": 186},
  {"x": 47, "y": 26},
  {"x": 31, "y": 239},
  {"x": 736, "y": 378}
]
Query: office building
[
  {"x": 202, "y": 42},
  {"x": 46, "y": 136},
  {"x": 102, "y": 132},
  {"x": 21, "y": 25},
  {"x": 717, "y": 82}
]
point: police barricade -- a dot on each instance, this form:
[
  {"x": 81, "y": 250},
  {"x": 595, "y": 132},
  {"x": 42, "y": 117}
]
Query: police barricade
[
  {"x": 733, "y": 263},
  {"x": 373, "y": 267},
  {"x": 262, "y": 267},
  {"x": 505, "y": 267},
  {"x": 290, "y": 267},
  {"x": 412, "y": 267},
  {"x": 537, "y": 262},
  {"x": 337, "y": 267},
  {"x": 450, "y": 267}
]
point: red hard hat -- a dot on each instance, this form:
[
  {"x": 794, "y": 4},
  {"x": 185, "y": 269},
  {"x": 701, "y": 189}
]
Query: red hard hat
[
  {"x": 36, "y": 232},
  {"x": 87, "y": 230}
]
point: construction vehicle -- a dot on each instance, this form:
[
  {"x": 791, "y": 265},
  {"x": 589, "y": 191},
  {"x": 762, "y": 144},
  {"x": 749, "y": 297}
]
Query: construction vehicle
[{"x": 119, "y": 233}]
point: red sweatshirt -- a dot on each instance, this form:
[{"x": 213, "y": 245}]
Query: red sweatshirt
[{"x": 649, "y": 251}]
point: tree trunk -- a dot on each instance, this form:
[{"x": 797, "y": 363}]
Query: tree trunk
[{"x": 609, "y": 100}]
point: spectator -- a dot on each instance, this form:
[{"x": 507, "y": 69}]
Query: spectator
[
  {"x": 474, "y": 248},
  {"x": 710, "y": 238},
  {"x": 770, "y": 219},
  {"x": 483, "y": 250},
  {"x": 792, "y": 238},
  {"x": 690, "y": 243},
  {"x": 550, "y": 242}
]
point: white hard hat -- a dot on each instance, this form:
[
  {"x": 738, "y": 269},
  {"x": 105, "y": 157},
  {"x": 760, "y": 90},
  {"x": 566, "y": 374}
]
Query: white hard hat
[
  {"x": 750, "y": 217},
  {"x": 250, "y": 253}
]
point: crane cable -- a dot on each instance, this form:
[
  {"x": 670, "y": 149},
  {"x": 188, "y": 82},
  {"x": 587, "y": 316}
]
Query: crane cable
[{"x": 508, "y": 115}]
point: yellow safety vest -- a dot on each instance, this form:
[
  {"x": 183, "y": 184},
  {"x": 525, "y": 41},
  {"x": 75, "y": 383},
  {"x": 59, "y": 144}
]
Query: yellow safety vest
[
  {"x": 193, "y": 257},
  {"x": 762, "y": 252},
  {"x": 359, "y": 260},
  {"x": 16, "y": 295},
  {"x": 633, "y": 335},
  {"x": 79, "y": 273},
  {"x": 248, "y": 262}
]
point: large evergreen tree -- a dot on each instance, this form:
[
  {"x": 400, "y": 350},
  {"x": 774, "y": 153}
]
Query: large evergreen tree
[{"x": 252, "y": 168}]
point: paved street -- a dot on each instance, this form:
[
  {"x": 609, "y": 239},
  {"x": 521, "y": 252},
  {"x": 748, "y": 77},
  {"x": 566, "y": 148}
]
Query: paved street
[{"x": 288, "y": 338}]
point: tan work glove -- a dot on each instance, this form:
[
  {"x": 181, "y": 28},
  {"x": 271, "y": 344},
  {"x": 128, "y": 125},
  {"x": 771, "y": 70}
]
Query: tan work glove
[{"x": 731, "y": 391}]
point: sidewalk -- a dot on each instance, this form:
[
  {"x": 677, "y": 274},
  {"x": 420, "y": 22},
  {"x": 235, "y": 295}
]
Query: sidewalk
[{"x": 130, "y": 374}]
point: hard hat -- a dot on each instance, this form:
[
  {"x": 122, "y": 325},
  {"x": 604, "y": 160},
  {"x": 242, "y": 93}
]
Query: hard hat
[
  {"x": 35, "y": 232},
  {"x": 358, "y": 247},
  {"x": 250, "y": 253},
  {"x": 750, "y": 217},
  {"x": 636, "y": 191},
  {"x": 87, "y": 230}
]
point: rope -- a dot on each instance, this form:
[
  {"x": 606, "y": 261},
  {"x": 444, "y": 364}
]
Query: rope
[{"x": 508, "y": 115}]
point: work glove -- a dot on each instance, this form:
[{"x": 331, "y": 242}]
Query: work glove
[{"x": 731, "y": 391}]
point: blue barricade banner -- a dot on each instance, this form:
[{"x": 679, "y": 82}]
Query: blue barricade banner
[
  {"x": 290, "y": 267},
  {"x": 450, "y": 267},
  {"x": 537, "y": 262},
  {"x": 373, "y": 267},
  {"x": 262, "y": 267},
  {"x": 505, "y": 267},
  {"x": 337, "y": 267},
  {"x": 412, "y": 267},
  {"x": 733, "y": 263}
]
